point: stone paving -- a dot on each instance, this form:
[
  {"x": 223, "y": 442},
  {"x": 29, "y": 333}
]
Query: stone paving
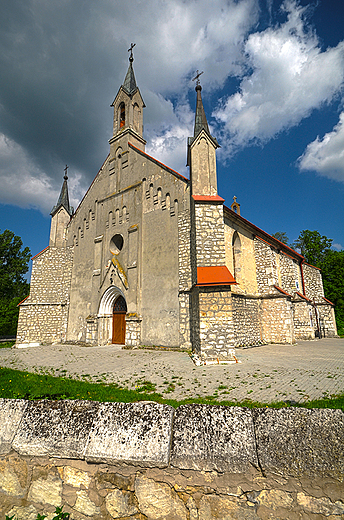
[{"x": 307, "y": 370}]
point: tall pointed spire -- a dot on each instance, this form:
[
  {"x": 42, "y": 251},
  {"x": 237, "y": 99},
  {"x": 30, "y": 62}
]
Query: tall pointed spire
[
  {"x": 129, "y": 84},
  {"x": 64, "y": 197},
  {"x": 200, "y": 117}
]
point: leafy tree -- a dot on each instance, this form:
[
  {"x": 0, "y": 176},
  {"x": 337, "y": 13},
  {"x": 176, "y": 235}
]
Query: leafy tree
[
  {"x": 333, "y": 277},
  {"x": 313, "y": 246},
  {"x": 13, "y": 287},
  {"x": 282, "y": 237}
]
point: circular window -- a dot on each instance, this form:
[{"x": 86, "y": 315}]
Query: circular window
[{"x": 116, "y": 244}]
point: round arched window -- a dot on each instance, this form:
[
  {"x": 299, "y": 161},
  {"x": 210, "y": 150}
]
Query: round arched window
[{"x": 116, "y": 244}]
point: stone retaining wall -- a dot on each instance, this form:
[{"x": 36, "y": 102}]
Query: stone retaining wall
[{"x": 148, "y": 461}]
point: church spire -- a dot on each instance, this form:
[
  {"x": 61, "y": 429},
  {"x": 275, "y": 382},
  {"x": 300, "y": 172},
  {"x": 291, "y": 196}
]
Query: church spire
[
  {"x": 63, "y": 198},
  {"x": 129, "y": 84},
  {"x": 200, "y": 117}
]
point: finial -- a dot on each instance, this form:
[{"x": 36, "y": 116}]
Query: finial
[
  {"x": 198, "y": 84},
  {"x": 65, "y": 175},
  {"x": 131, "y": 57},
  {"x": 234, "y": 198}
]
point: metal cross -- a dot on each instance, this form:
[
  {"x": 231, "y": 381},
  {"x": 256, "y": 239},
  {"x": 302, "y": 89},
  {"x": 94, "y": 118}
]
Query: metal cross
[
  {"x": 65, "y": 170},
  {"x": 197, "y": 77},
  {"x": 132, "y": 45}
]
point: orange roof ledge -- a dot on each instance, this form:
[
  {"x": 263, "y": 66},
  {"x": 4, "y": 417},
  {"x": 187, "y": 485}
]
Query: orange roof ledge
[
  {"x": 208, "y": 198},
  {"x": 214, "y": 275},
  {"x": 281, "y": 290},
  {"x": 328, "y": 301}
]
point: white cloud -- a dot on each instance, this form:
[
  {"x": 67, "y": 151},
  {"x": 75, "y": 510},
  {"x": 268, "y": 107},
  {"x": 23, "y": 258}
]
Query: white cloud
[
  {"x": 339, "y": 247},
  {"x": 326, "y": 156},
  {"x": 24, "y": 184},
  {"x": 289, "y": 77}
]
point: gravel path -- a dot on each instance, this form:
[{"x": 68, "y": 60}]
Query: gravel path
[{"x": 308, "y": 370}]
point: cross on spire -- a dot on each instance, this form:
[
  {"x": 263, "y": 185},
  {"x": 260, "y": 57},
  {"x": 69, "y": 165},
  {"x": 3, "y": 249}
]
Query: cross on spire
[
  {"x": 65, "y": 175},
  {"x": 197, "y": 77},
  {"x": 131, "y": 57}
]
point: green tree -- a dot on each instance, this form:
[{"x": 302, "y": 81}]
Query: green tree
[
  {"x": 333, "y": 276},
  {"x": 313, "y": 246},
  {"x": 14, "y": 262},
  {"x": 282, "y": 237}
]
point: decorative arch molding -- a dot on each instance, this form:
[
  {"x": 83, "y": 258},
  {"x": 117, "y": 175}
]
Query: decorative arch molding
[{"x": 107, "y": 301}]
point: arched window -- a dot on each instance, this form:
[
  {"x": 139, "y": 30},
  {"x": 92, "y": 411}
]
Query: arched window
[
  {"x": 121, "y": 115},
  {"x": 120, "y": 305},
  {"x": 236, "y": 246}
]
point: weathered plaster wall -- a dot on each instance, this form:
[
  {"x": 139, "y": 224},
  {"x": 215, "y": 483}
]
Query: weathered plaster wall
[
  {"x": 149, "y": 461},
  {"x": 244, "y": 266}
]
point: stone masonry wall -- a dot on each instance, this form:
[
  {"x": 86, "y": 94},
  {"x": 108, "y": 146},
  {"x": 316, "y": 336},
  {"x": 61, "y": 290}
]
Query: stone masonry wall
[
  {"x": 216, "y": 325},
  {"x": 246, "y": 321},
  {"x": 276, "y": 320},
  {"x": 303, "y": 326},
  {"x": 210, "y": 238},
  {"x": 289, "y": 274},
  {"x": 313, "y": 282},
  {"x": 327, "y": 320},
  {"x": 147, "y": 461},
  {"x": 266, "y": 263},
  {"x": 185, "y": 282},
  {"x": 43, "y": 315}
]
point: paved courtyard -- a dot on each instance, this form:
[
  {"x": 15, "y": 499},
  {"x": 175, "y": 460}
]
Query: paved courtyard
[{"x": 307, "y": 370}]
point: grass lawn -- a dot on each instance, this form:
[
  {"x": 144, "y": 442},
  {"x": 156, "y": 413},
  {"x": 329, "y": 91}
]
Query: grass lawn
[{"x": 15, "y": 384}]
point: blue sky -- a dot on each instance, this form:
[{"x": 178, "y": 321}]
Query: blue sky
[{"x": 272, "y": 90}]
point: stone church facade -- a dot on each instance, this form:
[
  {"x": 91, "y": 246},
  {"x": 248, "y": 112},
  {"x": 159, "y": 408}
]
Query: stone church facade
[{"x": 153, "y": 258}]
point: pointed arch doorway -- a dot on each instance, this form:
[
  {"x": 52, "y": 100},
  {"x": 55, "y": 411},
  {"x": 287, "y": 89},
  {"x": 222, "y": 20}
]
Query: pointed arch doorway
[{"x": 118, "y": 321}]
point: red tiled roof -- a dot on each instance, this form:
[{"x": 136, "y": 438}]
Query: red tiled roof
[
  {"x": 214, "y": 275},
  {"x": 208, "y": 198},
  {"x": 273, "y": 239}
]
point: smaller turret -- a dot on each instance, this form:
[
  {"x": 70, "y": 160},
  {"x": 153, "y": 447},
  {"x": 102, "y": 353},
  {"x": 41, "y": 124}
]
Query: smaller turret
[
  {"x": 61, "y": 214},
  {"x": 202, "y": 152}
]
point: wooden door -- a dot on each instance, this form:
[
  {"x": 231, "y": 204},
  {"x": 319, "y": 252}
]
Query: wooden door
[
  {"x": 118, "y": 321},
  {"x": 118, "y": 328}
]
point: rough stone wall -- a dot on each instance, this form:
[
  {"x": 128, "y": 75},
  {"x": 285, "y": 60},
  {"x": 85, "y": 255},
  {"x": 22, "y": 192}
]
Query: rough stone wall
[
  {"x": 289, "y": 275},
  {"x": 147, "y": 461},
  {"x": 216, "y": 325},
  {"x": 185, "y": 281},
  {"x": 210, "y": 239},
  {"x": 313, "y": 282},
  {"x": 266, "y": 262},
  {"x": 133, "y": 330},
  {"x": 276, "y": 320},
  {"x": 303, "y": 326},
  {"x": 246, "y": 321},
  {"x": 43, "y": 315},
  {"x": 327, "y": 320}
]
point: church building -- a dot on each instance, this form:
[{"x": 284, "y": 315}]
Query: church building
[{"x": 152, "y": 258}]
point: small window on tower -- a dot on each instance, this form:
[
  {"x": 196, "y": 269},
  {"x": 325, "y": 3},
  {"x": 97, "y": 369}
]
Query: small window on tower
[{"x": 121, "y": 115}]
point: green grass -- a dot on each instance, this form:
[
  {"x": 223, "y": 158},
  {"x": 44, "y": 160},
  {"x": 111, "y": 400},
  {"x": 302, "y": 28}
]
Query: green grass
[
  {"x": 7, "y": 344},
  {"x": 15, "y": 384}
]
